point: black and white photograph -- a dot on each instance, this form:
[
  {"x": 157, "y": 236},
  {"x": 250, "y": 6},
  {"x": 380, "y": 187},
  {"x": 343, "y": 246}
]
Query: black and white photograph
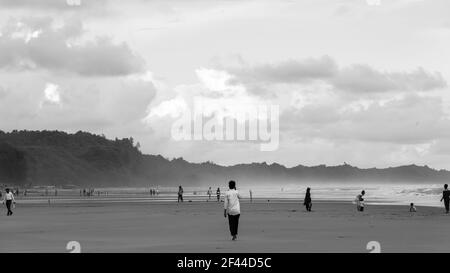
[{"x": 224, "y": 127}]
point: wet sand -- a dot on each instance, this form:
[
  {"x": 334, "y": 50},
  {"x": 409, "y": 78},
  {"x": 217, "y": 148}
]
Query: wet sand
[{"x": 201, "y": 227}]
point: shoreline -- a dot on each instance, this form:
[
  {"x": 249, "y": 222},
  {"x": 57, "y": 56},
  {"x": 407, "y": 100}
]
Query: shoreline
[{"x": 198, "y": 199}]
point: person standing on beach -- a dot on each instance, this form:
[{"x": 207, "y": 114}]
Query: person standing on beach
[
  {"x": 232, "y": 208},
  {"x": 218, "y": 194},
  {"x": 446, "y": 198},
  {"x": 308, "y": 202},
  {"x": 9, "y": 200},
  {"x": 180, "y": 194},
  {"x": 209, "y": 193},
  {"x": 360, "y": 201},
  {"x": 251, "y": 196}
]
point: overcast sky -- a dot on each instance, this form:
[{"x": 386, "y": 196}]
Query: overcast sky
[{"x": 356, "y": 80}]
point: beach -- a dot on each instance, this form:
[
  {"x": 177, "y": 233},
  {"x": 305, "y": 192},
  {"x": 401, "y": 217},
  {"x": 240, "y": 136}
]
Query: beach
[{"x": 201, "y": 227}]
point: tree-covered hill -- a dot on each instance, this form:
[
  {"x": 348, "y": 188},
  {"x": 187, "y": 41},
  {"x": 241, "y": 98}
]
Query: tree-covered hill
[{"x": 84, "y": 159}]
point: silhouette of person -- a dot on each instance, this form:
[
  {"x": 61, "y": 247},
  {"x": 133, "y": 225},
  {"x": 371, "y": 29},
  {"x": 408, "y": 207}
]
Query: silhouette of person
[
  {"x": 180, "y": 194},
  {"x": 412, "y": 208},
  {"x": 218, "y": 194},
  {"x": 308, "y": 202},
  {"x": 232, "y": 208},
  {"x": 446, "y": 198},
  {"x": 360, "y": 201}
]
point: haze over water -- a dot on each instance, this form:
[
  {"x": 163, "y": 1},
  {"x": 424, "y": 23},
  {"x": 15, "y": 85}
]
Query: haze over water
[{"x": 376, "y": 194}]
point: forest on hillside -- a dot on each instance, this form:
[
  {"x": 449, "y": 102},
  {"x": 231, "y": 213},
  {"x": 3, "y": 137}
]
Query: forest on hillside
[{"x": 55, "y": 158}]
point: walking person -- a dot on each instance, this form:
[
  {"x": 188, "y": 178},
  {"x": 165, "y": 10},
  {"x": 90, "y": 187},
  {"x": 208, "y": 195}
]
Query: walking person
[
  {"x": 308, "y": 202},
  {"x": 180, "y": 194},
  {"x": 218, "y": 194},
  {"x": 360, "y": 201},
  {"x": 251, "y": 196},
  {"x": 9, "y": 200},
  {"x": 446, "y": 198},
  {"x": 232, "y": 208}
]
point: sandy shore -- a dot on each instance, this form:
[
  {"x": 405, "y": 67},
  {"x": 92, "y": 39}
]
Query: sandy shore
[{"x": 201, "y": 227}]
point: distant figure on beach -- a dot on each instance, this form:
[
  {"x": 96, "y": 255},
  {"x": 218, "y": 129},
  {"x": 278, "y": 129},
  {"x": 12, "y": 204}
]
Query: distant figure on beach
[
  {"x": 446, "y": 197},
  {"x": 308, "y": 202},
  {"x": 180, "y": 194},
  {"x": 412, "y": 208},
  {"x": 9, "y": 200},
  {"x": 232, "y": 208},
  {"x": 209, "y": 193},
  {"x": 251, "y": 196},
  {"x": 218, "y": 194},
  {"x": 360, "y": 201}
]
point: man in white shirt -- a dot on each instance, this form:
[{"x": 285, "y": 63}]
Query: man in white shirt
[
  {"x": 232, "y": 208},
  {"x": 9, "y": 199}
]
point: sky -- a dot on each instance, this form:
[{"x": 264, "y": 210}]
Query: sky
[{"x": 364, "y": 82}]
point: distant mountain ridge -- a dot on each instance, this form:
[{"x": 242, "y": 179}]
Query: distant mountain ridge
[{"x": 59, "y": 158}]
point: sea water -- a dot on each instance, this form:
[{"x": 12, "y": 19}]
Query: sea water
[{"x": 376, "y": 194}]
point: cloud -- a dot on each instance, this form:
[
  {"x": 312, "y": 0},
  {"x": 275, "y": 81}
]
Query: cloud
[
  {"x": 213, "y": 97},
  {"x": 52, "y": 93},
  {"x": 290, "y": 71},
  {"x": 36, "y": 43},
  {"x": 407, "y": 119},
  {"x": 90, "y": 104},
  {"x": 363, "y": 78},
  {"x": 355, "y": 78}
]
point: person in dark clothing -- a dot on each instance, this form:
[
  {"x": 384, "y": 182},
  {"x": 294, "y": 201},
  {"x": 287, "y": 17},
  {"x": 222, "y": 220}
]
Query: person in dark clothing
[
  {"x": 446, "y": 198},
  {"x": 180, "y": 194},
  {"x": 308, "y": 202},
  {"x": 360, "y": 201},
  {"x": 218, "y": 194}
]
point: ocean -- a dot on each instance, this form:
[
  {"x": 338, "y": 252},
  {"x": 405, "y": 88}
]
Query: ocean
[{"x": 376, "y": 194}]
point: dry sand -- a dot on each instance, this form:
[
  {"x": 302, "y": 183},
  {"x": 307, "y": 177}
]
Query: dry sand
[{"x": 201, "y": 227}]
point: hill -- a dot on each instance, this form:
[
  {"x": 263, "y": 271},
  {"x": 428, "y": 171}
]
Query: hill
[{"x": 58, "y": 158}]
